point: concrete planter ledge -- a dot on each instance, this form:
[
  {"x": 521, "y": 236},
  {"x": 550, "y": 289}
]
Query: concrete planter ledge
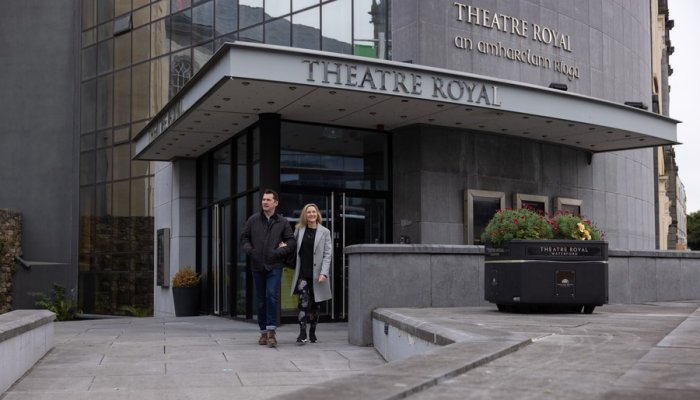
[
  {"x": 413, "y": 248},
  {"x": 25, "y": 337}
]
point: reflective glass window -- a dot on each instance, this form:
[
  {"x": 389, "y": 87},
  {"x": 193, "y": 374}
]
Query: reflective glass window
[
  {"x": 103, "y": 206},
  {"x": 301, "y": 4},
  {"x": 104, "y": 102},
  {"x": 256, "y": 157},
  {"x": 160, "y": 9},
  {"x": 141, "y": 43},
  {"x": 105, "y": 53},
  {"x": 89, "y": 13},
  {"x": 160, "y": 43},
  {"x": 240, "y": 268},
  {"x": 181, "y": 30},
  {"x": 226, "y": 16},
  {"x": 89, "y": 37},
  {"x": 121, "y": 7},
  {"x": 88, "y": 101},
  {"x": 89, "y": 62},
  {"x": 87, "y": 168},
  {"x": 180, "y": 70},
  {"x": 203, "y": 22},
  {"x": 231, "y": 37},
  {"x": 105, "y": 10},
  {"x": 122, "y": 158},
  {"x": 103, "y": 165},
  {"x": 120, "y": 204},
  {"x": 141, "y": 17},
  {"x": 254, "y": 34},
  {"x": 122, "y": 51},
  {"x": 141, "y": 197},
  {"x": 221, "y": 170},
  {"x": 140, "y": 3},
  {"x": 160, "y": 83},
  {"x": 241, "y": 163},
  {"x": 140, "y": 91},
  {"x": 122, "y": 97},
  {"x": 336, "y": 27},
  {"x": 250, "y": 12},
  {"x": 179, "y": 5},
  {"x": 306, "y": 29},
  {"x": 370, "y": 28},
  {"x": 103, "y": 139},
  {"x": 200, "y": 55},
  {"x": 329, "y": 156},
  {"x": 121, "y": 135},
  {"x": 87, "y": 142},
  {"x": 278, "y": 32},
  {"x": 203, "y": 180},
  {"x": 274, "y": 9}
]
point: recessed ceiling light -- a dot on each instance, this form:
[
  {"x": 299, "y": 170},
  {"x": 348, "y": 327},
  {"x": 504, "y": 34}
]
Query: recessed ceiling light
[
  {"x": 431, "y": 119},
  {"x": 217, "y": 106},
  {"x": 226, "y": 99},
  {"x": 404, "y": 116},
  {"x": 548, "y": 121},
  {"x": 570, "y": 125},
  {"x": 256, "y": 109},
  {"x": 563, "y": 140},
  {"x": 526, "y": 133},
  {"x": 292, "y": 88},
  {"x": 372, "y": 113},
  {"x": 341, "y": 109},
  {"x": 245, "y": 83},
  {"x": 628, "y": 135},
  {"x": 440, "y": 105},
  {"x": 591, "y": 129},
  {"x": 270, "y": 102},
  {"x": 306, "y": 106},
  {"x": 197, "y": 122},
  {"x": 332, "y": 92},
  {"x": 207, "y": 114},
  {"x": 544, "y": 136},
  {"x": 526, "y": 117},
  {"x": 404, "y": 101},
  {"x": 372, "y": 96},
  {"x": 504, "y": 130},
  {"x": 458, "y": 123},
  {"x": 482, "y": 126}
]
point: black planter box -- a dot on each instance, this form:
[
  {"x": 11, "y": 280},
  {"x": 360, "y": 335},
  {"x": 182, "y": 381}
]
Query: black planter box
[
  {"x": 535, "y": 275},
  {"x": 186, "y": 301}
]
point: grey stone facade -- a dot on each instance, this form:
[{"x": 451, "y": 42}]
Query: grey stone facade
[{"x": 608, "y": 43}]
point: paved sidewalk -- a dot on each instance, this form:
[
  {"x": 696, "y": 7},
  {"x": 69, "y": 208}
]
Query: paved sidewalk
[{"x": 185, "y": 358}]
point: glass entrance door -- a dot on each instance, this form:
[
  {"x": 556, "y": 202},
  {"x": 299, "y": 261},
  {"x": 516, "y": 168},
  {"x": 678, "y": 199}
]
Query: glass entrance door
[
  {"x": 351, "y": 220},
  {"x": 221, "y": 259}
]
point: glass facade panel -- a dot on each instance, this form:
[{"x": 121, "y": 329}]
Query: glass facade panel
[
  {"x": 254, "y": 34},
  {"x": 104, "y": 102},
  {"x": 250, "y": 12},
  {"x": 87, "y": 168},
  {"x": 105, "y": 31},
  {"x": 203, "y": 22},
  {"x": 88, "y": 101},
  {"x": 222, "y": 173},
  {"x": 140, "y": 17},
  {"x": 306, "y": 29},
  {"x": 181, "y": 30},
  {"x": 89, "y": 62},
  {"x": 87, "y": 142},
  {"x": 241, "y": 163},
  {"x": 89, "y": 37},
  {"x": 122, "y": 97},
  {"x": 141, "y": 44},
  {"x": 160, "y": 9},
  {"x": 180, "y": 71},
  {"x": 121, "y": 7},
  {"x": 226, "y": 16},
  {"x": 160, "y": 42},
  {"x": 336, "y": 27},
  {"x": 278, "y": 32},
  {"x": 179, "y": 5},
  {"x": 274, "y": 9},
  {"x": 120, "y": 203},
  {"x": 105, "y": 10},
  {"x": 160, "y": 82},
  {"x": 240, "y": 274},
  {"x": 122, "y": 156},
  {"x": 103, "y": 165},
  {"x": 140, "y": 91},
  {"x": 369, "y": 28},
  {"x": 301, "y": 4},
  {"x": 141, "y": 197},
  {"x": 200, "y": 55},
  {"x": 122, "y": 51},
  {"x": 89, "y": 14},
  {"x": 105, "y": 53}
]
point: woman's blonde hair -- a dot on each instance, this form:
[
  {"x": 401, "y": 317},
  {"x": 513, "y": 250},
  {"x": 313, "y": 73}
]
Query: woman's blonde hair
[{"x": 302, "y": 218}]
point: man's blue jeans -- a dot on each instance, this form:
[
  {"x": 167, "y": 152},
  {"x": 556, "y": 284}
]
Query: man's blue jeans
[{"x": 267, "y": 297}]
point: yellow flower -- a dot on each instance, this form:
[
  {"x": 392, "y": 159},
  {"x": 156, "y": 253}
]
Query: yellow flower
[{"x": 581, "y": 227}]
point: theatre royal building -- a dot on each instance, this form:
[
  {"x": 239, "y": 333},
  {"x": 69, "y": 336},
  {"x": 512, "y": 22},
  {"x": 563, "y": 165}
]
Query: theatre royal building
[{"x": 406, "y": 121}]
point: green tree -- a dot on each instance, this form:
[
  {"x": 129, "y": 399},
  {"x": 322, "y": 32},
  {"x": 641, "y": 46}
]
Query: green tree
[{"x": 693, "y": 230}]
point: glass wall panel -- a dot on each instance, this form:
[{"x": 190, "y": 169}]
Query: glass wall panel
[
  {"x": 370, "y": 28},
  {"x": 306, "y": 29},
  {"x": 141, "y": 44},
  {"x": 240, "y": 265},
  {"x": 179, "y": 5},
  {"x": 256, "y": 157},
  {"x": 89, "y": 62},
  {"x": 301, "y": 4},
  {"x": 88, "y": 101},
  {"x": 181, "y": 30},
  {"x": 160, "y": 9},
  {"x": 87, "y": 142},
  {"x": 121, "y": 135},
  {"x": 89, "y": 37},
  {"x": 103, "y": 139},
  {"x": 105, "y": 31},
  {"x": 336, "y": 27},
  {"x": 160, "y": 43},
  {"x": 278, "y": 32},
  {"x": 103, "y": 165},
  {"x": 254, "y": 34},
  {"x": 160, "y": 82},
  {"x": 140, "y": 91},
  {"x": 103, "y": 203},
  {"x": 87, "y": 168},
  {"x": 241, "y": 163},
  {"x": 203, "y": 22},
  {"x": 203, "y": 192},
  {"x": 222, "y": 173},
  {"x": 121, "y": 7},
  {"x": 122, "y": 156},
  {"x": 140, "y": 3},
  {"x": 120, "y": 201},
  {"x": 226, "y": 16},
  {"x": 105, "y": 54},
  {"x": 200, "y": 55},
  {"x": 324, "y": 156},
  {"x": 89, "y": 14},
  {"x": 250, "y": 12},
  {"x": 104, "y": 102},
  {"x": 122, "y": 51},
  {"x": 141, "y": 197},
  {"x": 274, "y": 9},
  {"x": 122, "y": 97},
  {"x": 141, "y": 17},
  {"x": 105, "y": 10},
  {"x": 180, "y": 71}
]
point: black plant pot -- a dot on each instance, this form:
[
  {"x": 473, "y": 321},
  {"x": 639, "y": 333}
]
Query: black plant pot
[
  {"x": 566, "y": 275},
  {"x": 186, "y": 301}
]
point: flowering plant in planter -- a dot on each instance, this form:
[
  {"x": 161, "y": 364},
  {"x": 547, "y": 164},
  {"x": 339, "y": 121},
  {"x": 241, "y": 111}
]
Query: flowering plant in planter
[{"x": 530, "y": 224}]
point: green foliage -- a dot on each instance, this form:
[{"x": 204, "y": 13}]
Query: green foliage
[
  {"x": 693, "y": 230},
  {"x": 571, "y": 226},
  {"x": 58, "y": 303},
  {"x": 186, "y": 277},
  {"x": 137, "y": 311},
  {"x": 523, "y": 223}
]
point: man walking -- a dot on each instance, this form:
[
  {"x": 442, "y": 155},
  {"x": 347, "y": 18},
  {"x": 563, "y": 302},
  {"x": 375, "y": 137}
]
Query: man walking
[{"x": 267, "y": 238}]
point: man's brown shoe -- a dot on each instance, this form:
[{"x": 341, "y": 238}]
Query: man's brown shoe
[
  {"x": 271, "y": 339},
  {"x": 263, "y": 339}
]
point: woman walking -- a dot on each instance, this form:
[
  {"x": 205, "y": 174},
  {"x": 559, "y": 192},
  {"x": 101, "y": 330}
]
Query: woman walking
[{"x": 314, "y": 253}]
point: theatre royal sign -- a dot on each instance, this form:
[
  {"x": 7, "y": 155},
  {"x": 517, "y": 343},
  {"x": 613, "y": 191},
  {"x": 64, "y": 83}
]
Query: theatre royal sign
[{"x": 386, "y": 80}]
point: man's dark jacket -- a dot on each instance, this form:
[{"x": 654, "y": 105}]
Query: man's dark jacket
[{"x": 260, "y": 240}]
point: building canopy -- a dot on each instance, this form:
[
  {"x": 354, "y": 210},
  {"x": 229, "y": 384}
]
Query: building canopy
[{"x": 244, "y": 80}]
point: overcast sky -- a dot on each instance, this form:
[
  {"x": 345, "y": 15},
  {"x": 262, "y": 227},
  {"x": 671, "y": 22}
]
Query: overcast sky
[{"x": 685, "y": 94}]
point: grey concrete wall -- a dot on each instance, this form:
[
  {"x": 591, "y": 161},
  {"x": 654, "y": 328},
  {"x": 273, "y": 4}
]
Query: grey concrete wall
[
  {"x": 39, "y": 54},
  {"x": 175, "y": 208},
  {"x": 609, "y": 42},
  {"x": 433, "y": 166},
  {"x": 452, "y": 276}
]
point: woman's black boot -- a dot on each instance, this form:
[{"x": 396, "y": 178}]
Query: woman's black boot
[
  {"x": 312, "y": 333},
  {"x": 302, "y": 334}
]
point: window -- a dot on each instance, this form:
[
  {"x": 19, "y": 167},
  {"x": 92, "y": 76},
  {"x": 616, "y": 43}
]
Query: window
[
  {"x": 539, "y": 203},
  {"x": 479, "y": 207},
  {"x": 566, "y": 204}
]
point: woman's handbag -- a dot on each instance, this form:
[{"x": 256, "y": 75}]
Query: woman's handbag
[{"x": 291, "y": 260}]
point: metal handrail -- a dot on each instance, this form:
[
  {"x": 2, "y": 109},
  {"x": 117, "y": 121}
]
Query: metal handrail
[{"x": 28, "y": 264}]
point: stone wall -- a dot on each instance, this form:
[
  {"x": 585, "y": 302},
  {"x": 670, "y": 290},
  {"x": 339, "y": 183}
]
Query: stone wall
[{"x": 10, "y": 246}]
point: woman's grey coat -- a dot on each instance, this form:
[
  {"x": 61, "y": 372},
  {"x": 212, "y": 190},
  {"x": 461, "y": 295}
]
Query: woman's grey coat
[{"x": 323, "y": 253}]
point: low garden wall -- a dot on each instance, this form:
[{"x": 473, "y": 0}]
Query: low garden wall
[
  {"x": 419, "y": 275},
  {"x": 10, "y": 246}
]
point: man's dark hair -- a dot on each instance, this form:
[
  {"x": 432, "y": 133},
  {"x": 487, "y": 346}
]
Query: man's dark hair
[{"x": 273, "y": 193}]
